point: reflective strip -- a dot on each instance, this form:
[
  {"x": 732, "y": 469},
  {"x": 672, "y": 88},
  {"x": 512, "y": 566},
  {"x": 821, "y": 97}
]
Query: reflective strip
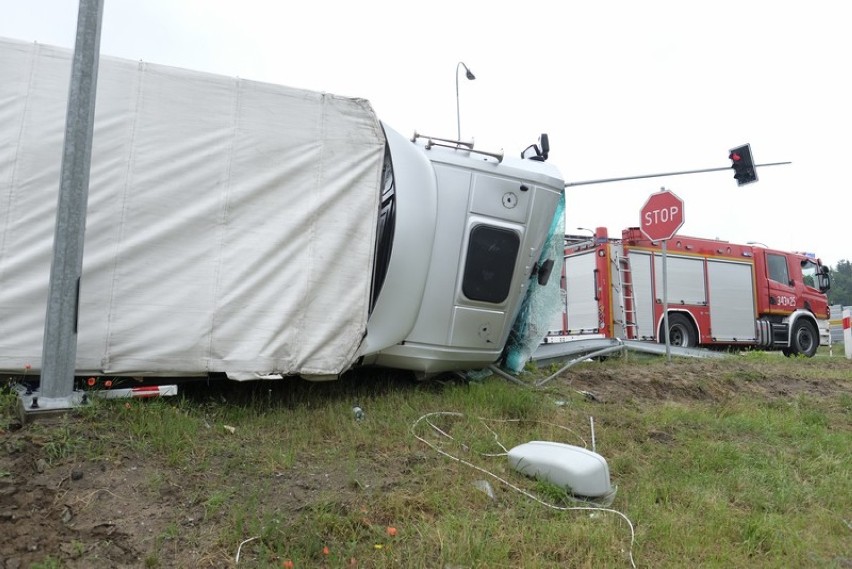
[{"x": 140, "y": 392}]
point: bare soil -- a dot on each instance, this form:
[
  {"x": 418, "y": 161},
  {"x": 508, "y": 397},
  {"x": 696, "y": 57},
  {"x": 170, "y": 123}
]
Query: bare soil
[
  {"x": 711, "y": 380},
  {"x": 106, "y": 513}
]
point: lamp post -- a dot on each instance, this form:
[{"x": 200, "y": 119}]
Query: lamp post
[
  {"x": 591, "y": 231},
  {"x": 764, "y": 245},
  {"x": 470, "y": 77}
]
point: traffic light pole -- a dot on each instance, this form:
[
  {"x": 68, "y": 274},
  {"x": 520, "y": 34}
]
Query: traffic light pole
[{"x": 606, "y": 180}]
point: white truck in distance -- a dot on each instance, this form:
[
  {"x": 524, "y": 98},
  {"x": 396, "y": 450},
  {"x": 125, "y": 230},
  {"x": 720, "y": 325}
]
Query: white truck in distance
[{"x": 255, "y": 230}]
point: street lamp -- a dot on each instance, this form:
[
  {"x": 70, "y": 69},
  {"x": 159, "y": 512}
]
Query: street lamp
[
  {"x": 764, "y": 245},
  {"x": 577, "y": 239},
  {"x": 470, "y": 77}
]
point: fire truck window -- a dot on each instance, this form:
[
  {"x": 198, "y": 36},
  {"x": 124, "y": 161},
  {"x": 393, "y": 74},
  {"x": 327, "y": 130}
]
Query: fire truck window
[
  {"x": 491, "y": 256},
  {"x": 778, "y": 268},
  {"x": 809, "y": 273}
]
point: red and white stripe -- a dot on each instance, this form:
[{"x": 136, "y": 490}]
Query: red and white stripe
[{"x": 140, "y": 392}]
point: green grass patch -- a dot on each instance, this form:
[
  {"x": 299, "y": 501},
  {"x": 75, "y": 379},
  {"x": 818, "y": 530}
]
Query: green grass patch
[{"x": 715, "y": 464}]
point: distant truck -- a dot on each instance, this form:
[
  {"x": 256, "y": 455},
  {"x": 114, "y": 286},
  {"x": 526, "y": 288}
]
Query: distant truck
[
  {"x": 719, "y": 294},
  {"x": 260, "y": 231}
]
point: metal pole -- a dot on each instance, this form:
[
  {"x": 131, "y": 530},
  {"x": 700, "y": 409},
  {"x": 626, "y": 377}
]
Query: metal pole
[
  {"x": 606, "y": 180},
  {"x": 458, "y": 109},
  {"x": 470, "y": 77},
  {"x": 60, "y": 332},
  {"x": 666, "y": 304}
]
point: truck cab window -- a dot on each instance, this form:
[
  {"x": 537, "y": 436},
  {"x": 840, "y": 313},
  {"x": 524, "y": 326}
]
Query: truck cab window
[
  {"x": 491, "y": 256},
  {"x": 777, "y": 267},
  {"x": 810, "y": 270}
]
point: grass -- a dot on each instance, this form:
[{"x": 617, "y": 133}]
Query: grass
[{"x": 743, "y": 479}]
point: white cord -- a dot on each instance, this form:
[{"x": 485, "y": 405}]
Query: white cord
[
  {"x": 509, "y": 484},
  {"x": 592, "y": 423},
  {"x": 237, "y": 560}
]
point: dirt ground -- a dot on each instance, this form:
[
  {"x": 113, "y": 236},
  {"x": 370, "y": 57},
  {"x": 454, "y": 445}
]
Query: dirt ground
[
  {"x": 102, "y": 514},
  {"x": 712, "y": 380}
]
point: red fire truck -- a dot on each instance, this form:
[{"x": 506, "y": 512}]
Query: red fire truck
[{"x": 717, "y": 293}]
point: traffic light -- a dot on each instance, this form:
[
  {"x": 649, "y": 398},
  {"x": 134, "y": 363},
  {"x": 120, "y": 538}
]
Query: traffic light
[{"x": 743, "y": 165}]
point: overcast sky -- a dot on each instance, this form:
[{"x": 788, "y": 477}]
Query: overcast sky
[{"x": 623, "y": 88}]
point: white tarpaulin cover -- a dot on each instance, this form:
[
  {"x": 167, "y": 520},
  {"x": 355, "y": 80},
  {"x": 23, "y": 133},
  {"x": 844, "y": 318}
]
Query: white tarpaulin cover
[{"x": 230, "y": 225}]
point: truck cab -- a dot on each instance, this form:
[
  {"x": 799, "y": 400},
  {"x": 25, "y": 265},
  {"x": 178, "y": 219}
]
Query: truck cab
[
  {"x": 791, "y": 299},
  {"x": 455, "y": 284}
]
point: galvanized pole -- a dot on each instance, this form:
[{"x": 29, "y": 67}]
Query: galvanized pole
[{"x": 60, "y": 332}]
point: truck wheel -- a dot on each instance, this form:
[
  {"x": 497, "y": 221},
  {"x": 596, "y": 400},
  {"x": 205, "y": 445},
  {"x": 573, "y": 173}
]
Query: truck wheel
[
  {"x": 804, "y": 341},
  {"x": 681, "y": 332}
]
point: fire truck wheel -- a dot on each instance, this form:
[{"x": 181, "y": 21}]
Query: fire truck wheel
[
  {"x": 804, "y": 340},
  {"x": 681, "y": 332}
]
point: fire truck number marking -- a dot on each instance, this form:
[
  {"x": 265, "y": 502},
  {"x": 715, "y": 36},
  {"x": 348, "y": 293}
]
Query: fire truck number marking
[
  {"x": 661, "y": 215},
  {"x": 787, "y": 300}
]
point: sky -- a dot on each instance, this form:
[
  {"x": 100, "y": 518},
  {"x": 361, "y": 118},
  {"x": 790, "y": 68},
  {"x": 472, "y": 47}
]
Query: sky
[{"x": 622, "y": 88}]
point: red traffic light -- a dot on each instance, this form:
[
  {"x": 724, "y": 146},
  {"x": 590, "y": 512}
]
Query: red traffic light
[{"x": 743, "y": 165}]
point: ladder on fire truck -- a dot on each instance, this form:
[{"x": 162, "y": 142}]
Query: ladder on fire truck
[{"x": 624, "y": 289}]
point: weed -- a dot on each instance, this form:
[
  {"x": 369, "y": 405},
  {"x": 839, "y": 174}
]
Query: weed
[
  {"x": 47, "y": 563},
  {"x": 215, "y": 502},
  {"x": 61, "y": 444},
  {"x": 552, "y": 493},
  {"x": 78, "y": 548},
  {"x": 171, "y": 531}
]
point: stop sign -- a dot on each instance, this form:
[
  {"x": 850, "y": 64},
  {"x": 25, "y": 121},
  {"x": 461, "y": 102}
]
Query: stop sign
[{"x": 662, "y": 216}]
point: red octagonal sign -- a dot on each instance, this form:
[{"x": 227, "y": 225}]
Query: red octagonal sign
[{"x": 662, "y": 216}]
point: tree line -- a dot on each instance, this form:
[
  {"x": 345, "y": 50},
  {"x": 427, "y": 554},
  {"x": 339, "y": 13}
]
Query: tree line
[{"x": 841, "y": 284}]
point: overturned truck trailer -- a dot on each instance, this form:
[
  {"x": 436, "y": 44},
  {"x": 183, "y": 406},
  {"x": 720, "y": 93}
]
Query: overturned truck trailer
[{"x": 257, "y": 230}]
